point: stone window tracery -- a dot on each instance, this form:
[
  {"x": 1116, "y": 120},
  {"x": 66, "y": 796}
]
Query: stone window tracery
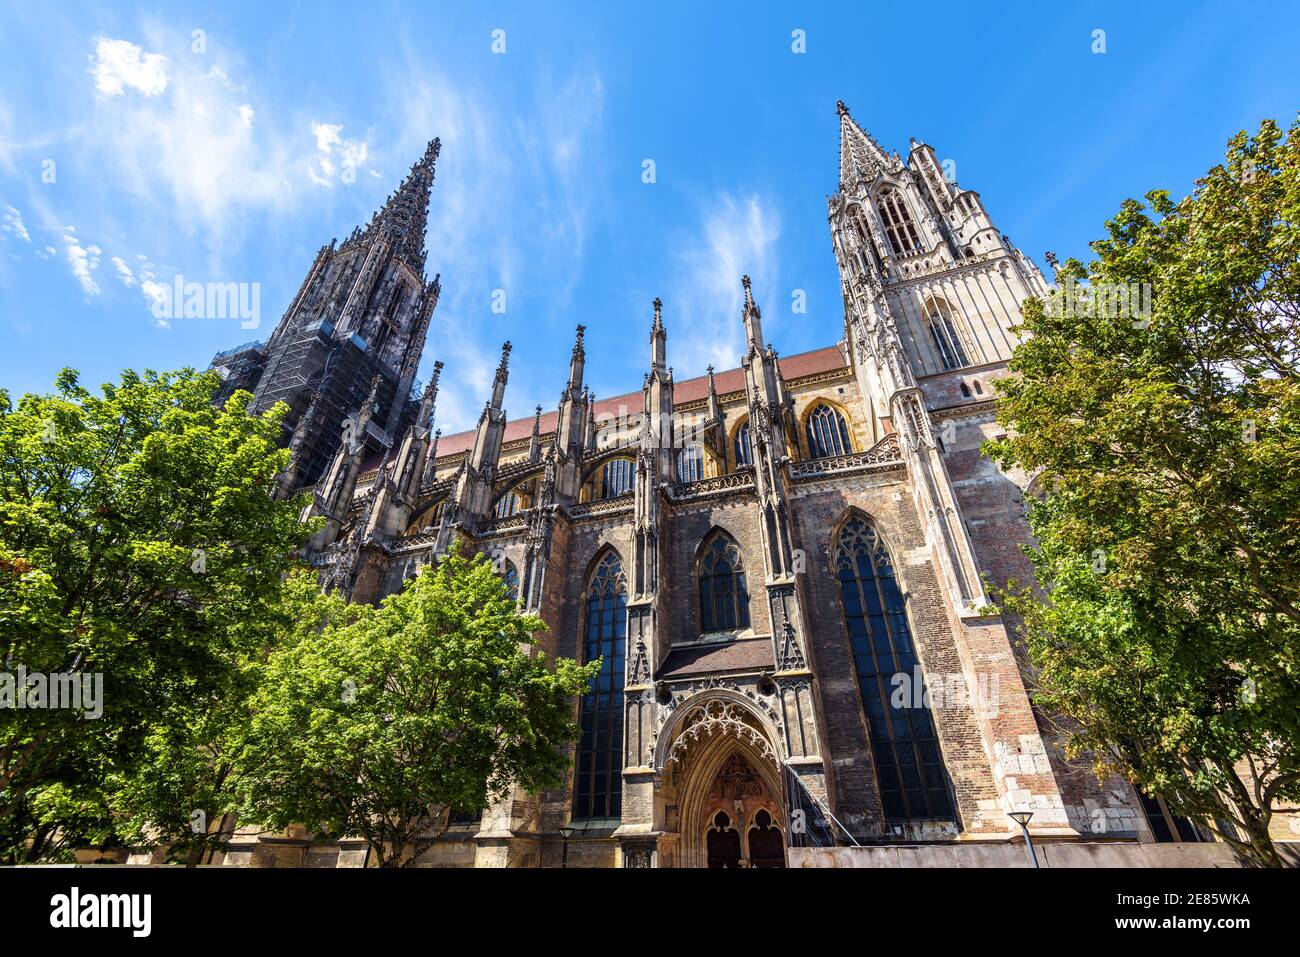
[
  {"x": 618, "y": 477},
  {"x": 913, "y": 782},
  {"x": 598, "y": 780},
  {"x": 828, "y": 433},
  {"x": 899, "y": 227},
  {"x": 943, "y": 333},
  {"x": 690, "y": 464},
  {"x": 724, "y": 594}
]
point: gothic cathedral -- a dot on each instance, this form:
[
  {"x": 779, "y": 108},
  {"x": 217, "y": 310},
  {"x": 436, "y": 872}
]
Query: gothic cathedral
[{"x": 783, "y": 566}]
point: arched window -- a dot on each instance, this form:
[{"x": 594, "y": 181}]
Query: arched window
[
  {"x": 909, "y": 765},
  {"x": 429, "y": 520},
  {"x": 898, "y": 223},
  {"x": 508, "y": 504},
  {"x": 828, "y": 434},
  {"x": 744, "y": 446},
  {"x": 724, "y": 596},
  {"x": 690, "y": 464},
  {"x": 598, "y": 784},
  {"x": 510, "y": 575},
  {"x": 617, "y": 478},
  {"x": 943, "y": 333}
]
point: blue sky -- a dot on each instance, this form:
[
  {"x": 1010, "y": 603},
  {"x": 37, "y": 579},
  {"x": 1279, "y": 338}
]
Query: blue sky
[{"x": 236, "y": 162}]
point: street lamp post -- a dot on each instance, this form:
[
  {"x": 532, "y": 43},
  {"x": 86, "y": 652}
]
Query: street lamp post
[
  {"x": 566, "y": 832},
  {"x": 1022, "y": 818}
]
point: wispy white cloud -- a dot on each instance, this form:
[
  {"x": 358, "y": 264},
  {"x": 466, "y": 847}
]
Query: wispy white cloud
[
  {"x": 511, "y": 211},
  {"x": 192, "y": 145},
  {"x": 82, "y": 260},
  {"x": 735, "y": 235},
  {"x": 13, "y": 223},
  {"x": 124, "y": 272},
  {"x": 119, "y": 65},
  {"x": 335, "y": 151}
]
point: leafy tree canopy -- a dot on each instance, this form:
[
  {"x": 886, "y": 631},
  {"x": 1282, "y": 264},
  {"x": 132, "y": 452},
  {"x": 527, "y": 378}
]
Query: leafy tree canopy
[
  {"x": 1166, "y": 441},
  {"x": 138, "y": 543},
  {"x": 380, "y": 721}
]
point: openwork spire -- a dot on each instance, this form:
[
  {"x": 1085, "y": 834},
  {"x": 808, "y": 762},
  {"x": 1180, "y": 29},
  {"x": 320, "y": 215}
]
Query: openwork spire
[
  {"x": 861, "y": 157},
  {"x": 405, "y": 214}
]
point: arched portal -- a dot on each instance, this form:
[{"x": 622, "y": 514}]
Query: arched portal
[{"x": 721, "y": 762}]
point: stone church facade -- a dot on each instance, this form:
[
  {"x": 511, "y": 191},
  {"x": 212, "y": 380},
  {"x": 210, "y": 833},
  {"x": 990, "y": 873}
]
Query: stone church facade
[{"x": 782, "y": 565}]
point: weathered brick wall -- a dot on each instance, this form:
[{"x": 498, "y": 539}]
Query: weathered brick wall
[
  {"x": 691, "y": 525},
  {"x": 819, "y": 511}
]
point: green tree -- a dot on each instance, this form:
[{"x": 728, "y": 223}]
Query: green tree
[
  {"x": 138, "y": 542},
  {"x": 1167, "y": 442},
  {"x": 379, "y": 721}
]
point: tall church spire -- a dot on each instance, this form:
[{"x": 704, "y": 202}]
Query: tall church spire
[
  {"x": 861, "y": 157},
  {"x": 405, "y": 214}
]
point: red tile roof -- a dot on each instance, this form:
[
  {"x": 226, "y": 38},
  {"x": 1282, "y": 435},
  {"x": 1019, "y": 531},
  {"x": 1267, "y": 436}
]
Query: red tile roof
[{"x": 684, "y": 391}]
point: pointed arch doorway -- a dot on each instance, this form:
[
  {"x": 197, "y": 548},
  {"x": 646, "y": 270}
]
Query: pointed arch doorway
[
  {"x": 724, "y": 777},
  {"x": 742, "y": 815}
]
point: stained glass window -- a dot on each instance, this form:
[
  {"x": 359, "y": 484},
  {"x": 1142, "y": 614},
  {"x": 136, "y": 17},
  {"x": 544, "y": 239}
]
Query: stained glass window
[
  {"x": 914, "y": 784},
  {"x": 598, "y": 784},
  {"x": 744, "y": 446},
  {"x": 724, "y": 596},
  {"x": 690, "y": 464},
  {"x": 617, "y": 478},
  {"x": 828, "y": 433}
]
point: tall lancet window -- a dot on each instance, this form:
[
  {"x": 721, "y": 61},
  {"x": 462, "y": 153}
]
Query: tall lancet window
[
  {"x": 828, "y": 433},
  {"x": 598, "y": 781},
  {"x": 898, "y": 222},
  {"x": 744, "y": 446},
  {"x": 690, "y": 464},
  {"x": 724, "y": 595},
  {"x": 943, "y": 333},
  {"x": 909, "y": 766}
]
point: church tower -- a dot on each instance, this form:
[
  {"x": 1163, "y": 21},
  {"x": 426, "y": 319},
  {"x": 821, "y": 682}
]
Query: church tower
[
  {"x": 362, "y": 312},
  {"x": 931, "y": 293}
]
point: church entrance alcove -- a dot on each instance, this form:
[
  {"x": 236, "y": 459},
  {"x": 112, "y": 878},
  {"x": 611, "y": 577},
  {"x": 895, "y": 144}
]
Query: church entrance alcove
[
  {"x": 766, "y": 842},
  {"x": 723, "y": 843},
  {"x": 723, "y": 784}
]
